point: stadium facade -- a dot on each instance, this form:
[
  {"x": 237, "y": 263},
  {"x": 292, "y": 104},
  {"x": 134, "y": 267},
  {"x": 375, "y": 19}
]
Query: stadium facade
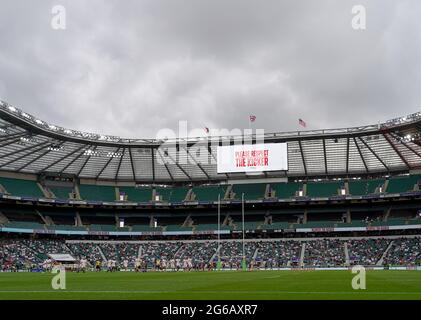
[{"x": 350, "y": 195}]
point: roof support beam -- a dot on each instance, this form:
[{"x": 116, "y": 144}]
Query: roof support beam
[
  {"x": 197, "y": 163},
  {"x": 375, "y": 154},
  {"x": 74, "y": 160},
  {"x": 153, "y": 164},
  {"x": 347, "y": 156},
  {"x": 213, "y": 156},
  {"x": 85, "y": 162},
  {"x": 408, "y": 146},
  {"x": 177, "y": 164},
  {"x": 119, "y": 164},
  {"x": 324, "y": 153},
  {"x": 25, "y": 155},
  {"x": 62, "y": 158},
  {"x": 385, "y": 135},
  {"x": 43, "y": 144},
  {"x": 166, "y": 166},
  {"x": 361, "y": 155},
  {"x": 302, "y": 156},
  {"x": 106, "y": 165},
  {"x": 37, "y": 158},
  {"x": 132, "y": 164},
  {"x": 14, "y": 135}
]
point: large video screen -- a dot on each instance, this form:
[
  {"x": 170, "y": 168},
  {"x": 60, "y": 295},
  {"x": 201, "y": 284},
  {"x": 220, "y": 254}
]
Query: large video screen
[{"x": 252, "y": 158}]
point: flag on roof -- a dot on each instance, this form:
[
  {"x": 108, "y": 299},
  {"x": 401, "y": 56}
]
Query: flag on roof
[
  {"x": 206, "y": 129},
  {"x": 302, "y": 123},
  {"x": 252, "y": 118}
]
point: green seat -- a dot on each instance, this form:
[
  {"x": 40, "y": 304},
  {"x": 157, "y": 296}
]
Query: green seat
[
  {"x": 252, "y": 191},
  {"x": 286, "y": 190},
  {"x": 209, "y": 193},
  {"x": 275, "y": 225},
  {"x": 323, "y": 189},
  {"x": 210, "y": 226},
  {"x": 364, "y": 187},
  {"x": 102, "y": 227},
  {"x": 177, "y": 227},
  {"x": 354, "y": 224},
  {"x": 66, "y": 228},
  {"x": 251, "y": 225},
  {"x": 21, "y": 188},
  {"x": 318, "y": 224},
  {"x": 24, "y": 225},
  {"x": 164, "y": 193},
  {"x": 97, "y": 193},
  {"x": 402, "y": 184},
  {"x": 143, "y": 194},
  {"x": 144, "y": 227},
  {"x": 61, "y": 192}
]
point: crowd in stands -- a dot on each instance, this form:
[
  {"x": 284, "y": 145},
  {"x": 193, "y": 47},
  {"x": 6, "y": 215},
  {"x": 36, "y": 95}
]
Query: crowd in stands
[
  {"x": 404, "y": 251},
  {"x": 275, "y": 254},
  {"x": 25, "y": 254},
  {"x": 324, "y": 253},
  {"x": 366, "y": 251}
]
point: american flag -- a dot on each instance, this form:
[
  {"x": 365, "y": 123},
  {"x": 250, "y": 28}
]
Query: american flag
[
  {"x": 252, "y": 118},
  {"x": 206, "y": 129},
  {"x": 302, "y": 123}
]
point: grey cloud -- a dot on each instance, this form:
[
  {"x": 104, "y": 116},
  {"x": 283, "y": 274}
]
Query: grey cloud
[{"x": 132, "y": 68}]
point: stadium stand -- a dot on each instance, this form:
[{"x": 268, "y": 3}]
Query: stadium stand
[
  {"x": 323, "y": 189},
  {"x": 209, "y": 193},
  {"x": 324, "y": 253},
  {"x": 172, "y": 214},
  {"x": 61, "y": 192},
  {"x": 137, "y": 194},
  {"x": 21, "y": 188},
  {"x": 365, "y": 187},
  {"x": 98, "y": 193},
  {"x": 21, "y": 254},
  {"x": 404, "y": 252},
  {"x": 402, "y": 184},
  {"x": 285, "y": 190},
  {"x": 366, "y": 252},
  {"x": 252, "y": 191}
]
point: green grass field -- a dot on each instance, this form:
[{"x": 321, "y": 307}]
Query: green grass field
[{"x": 213, "y": 285}]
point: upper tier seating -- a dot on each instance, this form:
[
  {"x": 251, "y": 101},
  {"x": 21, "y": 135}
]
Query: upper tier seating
[
  {"x": 137, "y": 194},
  {"x": 323, "y": 189},
  {"x": 402, "y": 184},
  {"x": 210, "y": 226},
  {"x": 61, "y": 192},
  {"x": 209, "y": 193},
  {"x": 98, "y": 193},
  {"x": 286, "y": 190},
  {"x": 22, "y": 188},
  {"x": 24, "y": 225},
  {"x": 252, "y": 191},
  {"x": 65, "y": 227},
  {"x": 176, "y": 194},
  {"x": 102, "y": 227},
  {"x": 177, "y": 227},
  {"x": 144, "y": 228},
  {"x": 364, "y": 187}
]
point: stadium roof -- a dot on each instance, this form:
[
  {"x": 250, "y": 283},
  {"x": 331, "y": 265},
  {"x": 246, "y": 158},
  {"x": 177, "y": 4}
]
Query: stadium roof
[{"x": 30, "y": 145}]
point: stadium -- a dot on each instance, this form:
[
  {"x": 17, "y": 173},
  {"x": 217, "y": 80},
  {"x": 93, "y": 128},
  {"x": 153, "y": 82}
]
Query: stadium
[{"x": 145, "y": 219}]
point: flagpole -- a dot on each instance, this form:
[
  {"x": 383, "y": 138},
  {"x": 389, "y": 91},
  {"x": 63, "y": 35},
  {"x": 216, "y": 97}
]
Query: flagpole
[
  {"x": 218, "y": 264},
  {"x": 244, "y": 251}
]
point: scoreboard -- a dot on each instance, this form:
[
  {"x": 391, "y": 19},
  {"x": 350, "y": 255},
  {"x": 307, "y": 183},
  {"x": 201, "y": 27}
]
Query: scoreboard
[{"x": 252, "y": 158}]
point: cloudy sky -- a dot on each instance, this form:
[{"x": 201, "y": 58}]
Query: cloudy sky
[{"x": 131, "y": 68}]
